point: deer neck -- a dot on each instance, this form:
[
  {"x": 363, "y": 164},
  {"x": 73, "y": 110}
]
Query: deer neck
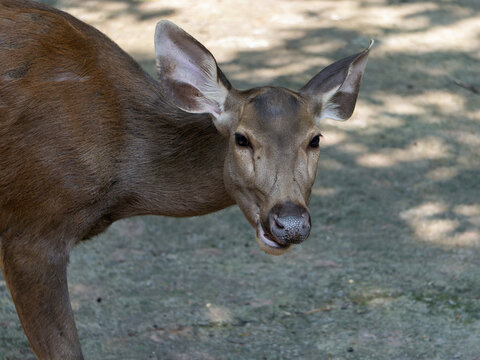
[{"x": 176, "y": 160}]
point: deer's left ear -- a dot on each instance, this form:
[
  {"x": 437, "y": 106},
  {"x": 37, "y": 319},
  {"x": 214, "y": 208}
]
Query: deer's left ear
[
  {"x": 333, "y": 91},
  {"x": 189, "y": 75}
]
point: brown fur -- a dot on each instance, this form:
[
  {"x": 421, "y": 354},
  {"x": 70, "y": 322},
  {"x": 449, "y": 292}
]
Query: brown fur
[
  {"x": 87, "y": 138},
  {"x": 82, "y": 144}
]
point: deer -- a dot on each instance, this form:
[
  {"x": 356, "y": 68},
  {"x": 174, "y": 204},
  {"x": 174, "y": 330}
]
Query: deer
[{"x": 87, "y": 138}]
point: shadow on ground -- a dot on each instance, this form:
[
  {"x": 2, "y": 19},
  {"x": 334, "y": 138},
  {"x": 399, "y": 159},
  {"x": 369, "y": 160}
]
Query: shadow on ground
[{"x": 392, "y": 268}]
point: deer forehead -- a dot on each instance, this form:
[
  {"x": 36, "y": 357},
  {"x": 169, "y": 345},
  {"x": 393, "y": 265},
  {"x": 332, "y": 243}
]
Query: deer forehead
[{"x": 277, "y": 114}]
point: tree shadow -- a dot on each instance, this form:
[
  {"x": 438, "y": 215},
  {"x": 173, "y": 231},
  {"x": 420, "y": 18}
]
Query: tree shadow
[
  {"x": 423, "y": 146},
  {"x": 396, "y": 205},
  {"x": 395, "y": 208},
  {"x": 122, "y": 8}
]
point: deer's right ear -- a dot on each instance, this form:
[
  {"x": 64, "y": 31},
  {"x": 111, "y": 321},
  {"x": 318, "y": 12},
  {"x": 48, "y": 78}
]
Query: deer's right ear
[{"x": 189, "y": 75}]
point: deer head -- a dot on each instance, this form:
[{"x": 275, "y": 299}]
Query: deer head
[{"x": 273, "y": 132}]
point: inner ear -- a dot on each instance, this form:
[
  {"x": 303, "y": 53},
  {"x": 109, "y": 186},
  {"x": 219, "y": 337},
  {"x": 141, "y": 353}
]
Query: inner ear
[
  {"x": 189, "y": 74},
  {"x": 333, "y": 91}
]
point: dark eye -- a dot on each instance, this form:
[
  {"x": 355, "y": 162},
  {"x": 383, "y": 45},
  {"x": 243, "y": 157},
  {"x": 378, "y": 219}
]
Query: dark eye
[
  {"x": 315, "y": 141},
  {"x": 241, "y": 140}
]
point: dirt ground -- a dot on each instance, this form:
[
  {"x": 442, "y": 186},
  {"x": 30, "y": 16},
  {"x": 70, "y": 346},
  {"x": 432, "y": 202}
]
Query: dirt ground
[{"x": 392, "y": 267}]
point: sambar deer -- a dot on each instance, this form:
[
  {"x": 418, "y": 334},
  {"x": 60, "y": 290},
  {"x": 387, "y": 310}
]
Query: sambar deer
[{"x": 87, "y": 138}]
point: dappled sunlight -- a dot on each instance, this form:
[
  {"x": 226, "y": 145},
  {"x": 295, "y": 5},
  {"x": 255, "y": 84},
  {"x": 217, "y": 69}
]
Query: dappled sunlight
[
  {"x": 331, "y": 164},
  {"x": 275, "y": 65},
  {"x": 442, "y": 101},
  {"x": 467, "y": 138},
  {"x": 405, "y": 16},
  {"x": 376, "y": 160},
  {"x": 432, "y": 223},
  {"x": 333, "y": 137},
  {"x": 252, "y": 42},
  {"x": 471, "y": 211},
  {"x": 432, "y": 106},
  {"x": 231, "y": 27},
  {"x": 367, "y": 116},
  {"x": 324, "y": 191},
  {"x": 461, "y": 36},
  {"x": 317, "y": 49},
  {"x": 413, "y": 128},
  {"x": 392, "y": 266},
  {"x": 428, "y": 148},
  {"x": 442, "y": 173},
  {"x": 439, "y": 101},
  {"x": 218, "y": 314},
  {"x": 353, "y": 148},
  {"x": 398, "y": 104}
]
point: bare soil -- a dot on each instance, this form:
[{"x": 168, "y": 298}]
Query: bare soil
[{"x": 392, "y": 267}]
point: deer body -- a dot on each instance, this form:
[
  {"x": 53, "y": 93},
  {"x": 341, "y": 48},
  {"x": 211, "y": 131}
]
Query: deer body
[{"x": 87, "y": 138}]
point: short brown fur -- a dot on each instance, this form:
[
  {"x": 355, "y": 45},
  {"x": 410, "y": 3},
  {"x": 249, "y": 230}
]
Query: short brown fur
[{"x": 87, "y": 138}]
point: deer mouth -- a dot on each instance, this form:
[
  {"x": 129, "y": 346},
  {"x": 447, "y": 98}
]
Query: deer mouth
[{"x": 267, "y": 242}]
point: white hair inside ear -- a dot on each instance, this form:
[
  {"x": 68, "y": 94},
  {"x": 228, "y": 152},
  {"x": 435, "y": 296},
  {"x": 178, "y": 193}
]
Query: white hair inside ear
[
  {"x": 189, "y": 73},
  {"x": 333, "y": 91}
]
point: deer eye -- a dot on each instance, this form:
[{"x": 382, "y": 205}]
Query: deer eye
[
  {"x": 241, "y": 140},
  {"x": 315, "y": 141}
]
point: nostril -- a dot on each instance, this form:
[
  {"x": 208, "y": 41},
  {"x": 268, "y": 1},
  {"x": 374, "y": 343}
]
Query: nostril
[
  {"x": 306, "y": 220},
  {"x": 289, "y": 223},
  {"x": 279, "y": 222}
]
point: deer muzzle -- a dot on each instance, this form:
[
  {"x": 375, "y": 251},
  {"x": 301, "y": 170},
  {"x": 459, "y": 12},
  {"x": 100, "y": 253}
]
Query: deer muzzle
[
  {"x": 289, "y": 223},
  {"x": 286, "y": 224}
]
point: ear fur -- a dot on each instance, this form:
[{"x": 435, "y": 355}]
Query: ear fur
[
  {"x": 188, "y": 73},
  {"x": 333, "y": 91}
]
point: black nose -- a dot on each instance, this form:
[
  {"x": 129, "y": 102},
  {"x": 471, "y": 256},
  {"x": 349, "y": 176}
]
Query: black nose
[{"x": 289, "y": 223}]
